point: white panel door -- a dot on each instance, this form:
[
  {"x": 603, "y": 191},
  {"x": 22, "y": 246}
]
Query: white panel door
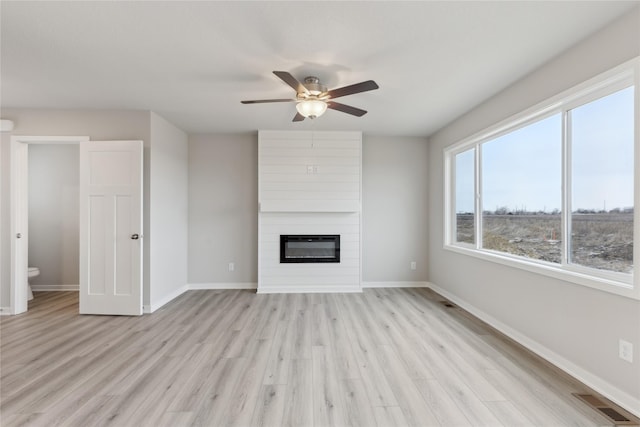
[{"x": 111, "y": 227}]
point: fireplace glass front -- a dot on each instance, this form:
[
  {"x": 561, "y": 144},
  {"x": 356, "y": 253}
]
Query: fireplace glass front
[{"x": 309, "y": 248}]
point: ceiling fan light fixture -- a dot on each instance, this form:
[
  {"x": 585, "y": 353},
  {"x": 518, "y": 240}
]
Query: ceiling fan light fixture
[
  {"x": 311, "y": 108},
  {"x": 312, "y": 97}
]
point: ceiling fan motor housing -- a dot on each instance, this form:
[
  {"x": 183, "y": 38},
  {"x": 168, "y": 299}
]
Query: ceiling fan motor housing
[{"x": 313, "y": 85}]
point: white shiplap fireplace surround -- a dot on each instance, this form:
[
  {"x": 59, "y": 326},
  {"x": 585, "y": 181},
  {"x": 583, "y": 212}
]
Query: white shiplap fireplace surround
[{"x": 309, "y": 183}]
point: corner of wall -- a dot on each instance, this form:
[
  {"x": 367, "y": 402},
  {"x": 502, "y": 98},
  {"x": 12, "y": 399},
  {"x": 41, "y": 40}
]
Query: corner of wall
[{"x": 166, "y": 222}]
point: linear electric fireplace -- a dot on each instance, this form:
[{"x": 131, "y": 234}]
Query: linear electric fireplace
[{"x": 309, "y": 248}]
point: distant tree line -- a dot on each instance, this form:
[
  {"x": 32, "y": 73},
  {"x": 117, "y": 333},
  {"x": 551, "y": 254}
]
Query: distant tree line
[
  {"x": 504, "y": 210},
  {"x": 602, "y": 211}
]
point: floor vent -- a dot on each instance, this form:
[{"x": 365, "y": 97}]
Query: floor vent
[{"x": 618, "y": 417}]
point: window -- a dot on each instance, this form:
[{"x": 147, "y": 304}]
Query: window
[
  {"x": 552, "y": 190},
  {"x": 602, "y": 183},
  {"x": 465, "y": 197},
  {"x": 521, "y": 197}
]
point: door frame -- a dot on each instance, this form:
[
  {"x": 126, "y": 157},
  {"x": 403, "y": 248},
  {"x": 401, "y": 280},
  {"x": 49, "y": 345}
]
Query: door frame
[{"x": 19, "y": 210}]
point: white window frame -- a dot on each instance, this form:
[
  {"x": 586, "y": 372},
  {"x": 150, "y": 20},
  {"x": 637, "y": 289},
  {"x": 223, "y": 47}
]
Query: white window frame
[{"x": 623, "y": 284}]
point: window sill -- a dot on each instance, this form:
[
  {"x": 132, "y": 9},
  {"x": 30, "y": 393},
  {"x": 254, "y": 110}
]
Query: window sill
[{"x": 550, "y": 270}]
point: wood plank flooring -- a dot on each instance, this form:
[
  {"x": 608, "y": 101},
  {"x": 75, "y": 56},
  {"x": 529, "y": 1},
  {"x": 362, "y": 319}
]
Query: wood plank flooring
[{"x": 386, "y": 357}]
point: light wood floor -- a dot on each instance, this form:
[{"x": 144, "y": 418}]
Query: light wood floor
[{"x": 385, "y": 357}]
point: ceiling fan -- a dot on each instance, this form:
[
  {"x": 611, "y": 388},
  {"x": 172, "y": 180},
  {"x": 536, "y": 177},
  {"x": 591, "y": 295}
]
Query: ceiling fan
[{"x": 312, "y": 97}]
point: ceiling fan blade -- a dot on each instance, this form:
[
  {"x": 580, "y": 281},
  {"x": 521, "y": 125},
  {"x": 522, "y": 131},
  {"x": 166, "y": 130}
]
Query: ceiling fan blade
[
  {"x": 350, "y": 90},
  {"x": 346, "y": 109},
  {"x": 262, "y": 101},
  {"x": 291, "y": 81},
  {"x": 298, "y": 118}
]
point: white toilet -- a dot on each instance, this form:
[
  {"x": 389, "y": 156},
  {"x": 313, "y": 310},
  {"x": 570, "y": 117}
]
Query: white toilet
[{"x": 33, "y": 272}]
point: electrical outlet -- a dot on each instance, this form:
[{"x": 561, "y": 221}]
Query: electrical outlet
[
  {"x": 625, "y": 350},
  {"x": 413, "y": 265},
  {"x": 232, "y": 266}
]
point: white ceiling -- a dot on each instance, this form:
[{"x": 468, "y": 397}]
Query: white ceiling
[{"x": 193, "y": 62}]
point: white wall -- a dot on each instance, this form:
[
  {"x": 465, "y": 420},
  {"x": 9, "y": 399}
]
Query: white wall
[
  {"x": 54, "y": 216},
  {"x": 577, "y": 327},
  {"x": 394, "y": 209},
  {"x": 223, "y": 209},
  {"x": 168, "y": 198}
]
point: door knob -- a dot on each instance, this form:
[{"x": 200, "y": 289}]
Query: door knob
[{"x": 135, "y": 237}]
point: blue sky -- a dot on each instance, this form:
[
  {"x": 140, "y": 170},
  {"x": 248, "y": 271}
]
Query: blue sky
[{"x": 522, "y": 170}]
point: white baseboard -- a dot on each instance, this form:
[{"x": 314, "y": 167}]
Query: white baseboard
[
  {"x": 310, "y": 290},
  {"x": 166, "y": 299},
  {"x": 395, "y": 284},
  {"x": 60, "y": 287},
  {"x": 611, "y": 392},
  {"x": 324, "y": 288},
  {"x": 5, "y": 311},
  {"x": 220, "y": 285}
]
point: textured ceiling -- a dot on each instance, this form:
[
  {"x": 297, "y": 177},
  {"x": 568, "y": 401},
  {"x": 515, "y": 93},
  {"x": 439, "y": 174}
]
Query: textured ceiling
[{"x": 193, "y": 62}]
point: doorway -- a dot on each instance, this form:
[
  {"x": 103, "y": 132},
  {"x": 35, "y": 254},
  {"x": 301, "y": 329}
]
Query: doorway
[
  {"x": 20, "y": 212},
  {"x": 110, "y": 249},
  {"x": 54, "y": 217}
]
